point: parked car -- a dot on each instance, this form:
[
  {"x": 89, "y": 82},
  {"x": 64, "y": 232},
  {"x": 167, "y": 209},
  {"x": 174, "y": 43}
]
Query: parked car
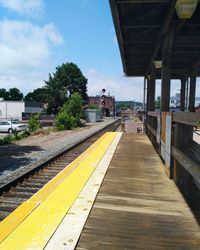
[{"x": 10, "y": 127}]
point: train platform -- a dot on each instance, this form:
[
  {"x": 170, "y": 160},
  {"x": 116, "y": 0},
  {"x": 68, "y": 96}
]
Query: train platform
[
  {"x": 133, "y": 125},
  {"x": 114, "y": 196}
]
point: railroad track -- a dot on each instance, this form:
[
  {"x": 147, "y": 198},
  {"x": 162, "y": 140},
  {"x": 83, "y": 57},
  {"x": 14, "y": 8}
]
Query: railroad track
[{"x": 23, "y": 187}]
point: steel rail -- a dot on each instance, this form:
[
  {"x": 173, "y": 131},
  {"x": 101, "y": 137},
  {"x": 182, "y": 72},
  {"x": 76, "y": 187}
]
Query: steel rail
[{"x": 15, "y": 192}]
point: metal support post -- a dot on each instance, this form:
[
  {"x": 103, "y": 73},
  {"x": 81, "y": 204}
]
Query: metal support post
[
  {"x": 192, "y": 92},
  {"x": 186, "y": 94},
  {"x": 144, "y": 94},
  {"x": 182, "y": 94},
  {"x": 166, "y": 69}
]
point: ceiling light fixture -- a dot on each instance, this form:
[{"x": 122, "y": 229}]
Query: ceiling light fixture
[
  {"x": 185, "y": 8},
  {"x": 157, "y": 64}
]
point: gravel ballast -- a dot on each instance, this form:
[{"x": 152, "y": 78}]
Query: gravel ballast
[{"x": 28, "y": 153}]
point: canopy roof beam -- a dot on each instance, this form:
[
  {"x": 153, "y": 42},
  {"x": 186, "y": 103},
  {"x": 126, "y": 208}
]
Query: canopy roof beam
[{"x": 167, "y": 20}]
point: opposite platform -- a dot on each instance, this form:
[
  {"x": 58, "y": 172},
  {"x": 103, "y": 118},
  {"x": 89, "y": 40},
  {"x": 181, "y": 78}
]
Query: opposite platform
[{"x": 137, "y": 206}]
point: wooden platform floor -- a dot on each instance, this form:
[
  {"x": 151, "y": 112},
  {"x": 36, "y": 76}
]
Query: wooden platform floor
[{"x": 137, "y": 206}]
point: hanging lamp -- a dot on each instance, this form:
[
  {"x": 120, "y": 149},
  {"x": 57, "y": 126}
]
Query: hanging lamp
[{"x": 185, "y": 8}]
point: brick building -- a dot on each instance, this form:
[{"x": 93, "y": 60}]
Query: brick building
[{"x": 109, "y": 106}]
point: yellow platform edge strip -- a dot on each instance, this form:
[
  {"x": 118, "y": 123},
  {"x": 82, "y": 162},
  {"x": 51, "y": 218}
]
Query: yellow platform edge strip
[
  {"x": 19, "y": 214},
  {"x": 69, "y": 230},
  {"x": 35, "y": 231}
]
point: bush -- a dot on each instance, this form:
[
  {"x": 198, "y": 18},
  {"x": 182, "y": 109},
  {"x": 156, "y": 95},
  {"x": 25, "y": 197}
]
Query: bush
[
  {"x": 64, "y": 121},
  {"x": 83, "y": 115},
  {"x": 75, "y": 105},
  {"x": 93, "y": 106},
  {"x": 21, "y": 135},
  {"x": 70, "y": 113},
  {"x": 34, "y": 123},
  {"x": 6, "y": 140},
  {"x": 16, "y": 136}
]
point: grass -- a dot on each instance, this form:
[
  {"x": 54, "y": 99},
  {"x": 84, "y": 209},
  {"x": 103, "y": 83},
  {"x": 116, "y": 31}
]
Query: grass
[
  {"x": 5, "y": 140},
  {"x": 14, "y": 137}
]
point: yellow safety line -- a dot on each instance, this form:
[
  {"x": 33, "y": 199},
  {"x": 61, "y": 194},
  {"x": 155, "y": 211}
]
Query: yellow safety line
[
  {"x": 37, "y": 229},
  {"x": 73, "y": 222},
  {"x": 19, "y": 214}
]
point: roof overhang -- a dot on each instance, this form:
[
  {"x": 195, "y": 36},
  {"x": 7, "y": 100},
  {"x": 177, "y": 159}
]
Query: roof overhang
[{"x": 141, "y": 27}]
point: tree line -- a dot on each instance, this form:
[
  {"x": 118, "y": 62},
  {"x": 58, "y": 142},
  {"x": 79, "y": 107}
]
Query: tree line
[{"x": 61, "y": 85}]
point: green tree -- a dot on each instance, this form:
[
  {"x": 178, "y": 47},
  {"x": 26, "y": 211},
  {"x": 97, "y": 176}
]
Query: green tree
[
  {"x": 38, "y": 95},
  {"x": 14, "y": 94},
  {"x": 158, "y": 102},
  {"x": 4, "y": 94},
  {"x": 67, "y": 80},
  {"x": 56, "y": 94}
]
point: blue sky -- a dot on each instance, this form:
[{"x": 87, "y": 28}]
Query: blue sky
[{"x": 38, "y": 35}]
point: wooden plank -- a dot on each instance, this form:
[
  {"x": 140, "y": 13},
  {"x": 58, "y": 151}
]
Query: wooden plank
[
  {"x": 154, "y": 113},
  {"x": 191, "y": 166},
  {"x": 195, "y": 149},
  {"x": 36, "y": 230},
  {"x": 152, "y": 130},
  {"x": 163, "y": 126},
  {"x": 137, "y": 206},
  {"x": 188, "y": 118}
]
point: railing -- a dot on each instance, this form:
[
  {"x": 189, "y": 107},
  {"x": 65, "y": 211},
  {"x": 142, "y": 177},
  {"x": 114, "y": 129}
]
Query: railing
[
  {"x": 153, "y": 128},
  {"x": 171, "y": 133},
  {"x": 185, "y": 152}
]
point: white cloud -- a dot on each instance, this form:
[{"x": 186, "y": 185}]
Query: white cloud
[
  {"x": 123, "y": 88},
  {"x": 25, "y": 82},
  {"x": 31, "y": 8},
  {"x": 174, "y": 88},
  {"x": 26, "y": 54},
  {"x": 24, "y": 45}
]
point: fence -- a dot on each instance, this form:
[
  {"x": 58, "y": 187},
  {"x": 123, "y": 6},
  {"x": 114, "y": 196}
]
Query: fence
[{"x": 177, "y": 140}]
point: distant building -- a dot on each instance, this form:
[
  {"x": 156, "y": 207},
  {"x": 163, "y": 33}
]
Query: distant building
[
  {"x": 18, "y": 109},
  {"x": 109, "y": 105},
  {"x": 11, "y": 109},
  {"x": 133, "y": 105},
  {"x": 197, "y": 102},
  {"x": 34, "y": 107},
  {"x": 175, "y": 101}
]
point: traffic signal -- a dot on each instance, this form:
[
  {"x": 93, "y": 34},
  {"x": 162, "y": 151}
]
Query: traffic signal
[{"x": 103, "y": 103}]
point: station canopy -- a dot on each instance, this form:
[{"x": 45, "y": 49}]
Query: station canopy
[{"x": 141, "y": 27}]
